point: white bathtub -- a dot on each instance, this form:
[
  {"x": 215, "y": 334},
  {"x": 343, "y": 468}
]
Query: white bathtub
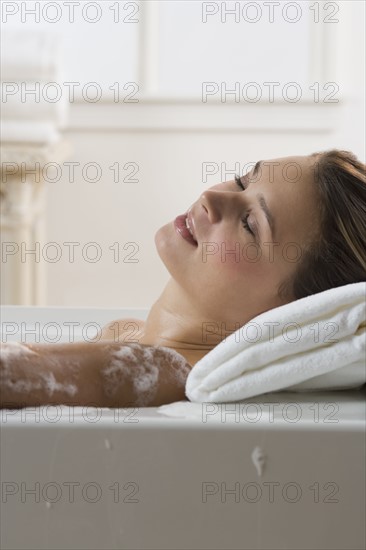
[{"x": 280, "y": 471}]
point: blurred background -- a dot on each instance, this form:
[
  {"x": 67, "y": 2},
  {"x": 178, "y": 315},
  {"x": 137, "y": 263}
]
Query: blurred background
[{"x": 115, "y": 116}]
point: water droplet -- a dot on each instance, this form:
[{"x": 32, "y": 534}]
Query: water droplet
[{"x": 259, "y": 460}]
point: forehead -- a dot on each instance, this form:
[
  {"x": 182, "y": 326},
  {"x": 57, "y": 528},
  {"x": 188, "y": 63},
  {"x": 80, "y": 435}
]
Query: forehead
[
  {"x": 288, "y": 167},
  {"x": 292, "y": 196},
  {"x": 277, "y": 170}
]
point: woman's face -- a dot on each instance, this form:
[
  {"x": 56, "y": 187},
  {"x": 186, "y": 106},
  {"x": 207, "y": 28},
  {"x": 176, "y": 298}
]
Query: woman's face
[{"x": 248, "y": 240}]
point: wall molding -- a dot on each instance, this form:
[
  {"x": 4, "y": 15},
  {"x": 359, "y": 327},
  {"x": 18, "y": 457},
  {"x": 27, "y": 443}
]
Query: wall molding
[{"x": 191, "y": 115}]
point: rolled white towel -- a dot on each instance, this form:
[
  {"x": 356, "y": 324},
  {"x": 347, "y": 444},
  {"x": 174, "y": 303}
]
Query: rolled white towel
[{"x": 318, "y": 342}]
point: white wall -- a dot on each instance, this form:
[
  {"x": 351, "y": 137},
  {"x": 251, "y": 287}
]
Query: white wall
[{"x": 169, "y": 139}]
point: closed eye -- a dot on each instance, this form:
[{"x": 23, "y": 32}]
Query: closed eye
[
  {"x": 244, "y": 220},
  {"x": 239, "y": 183}
]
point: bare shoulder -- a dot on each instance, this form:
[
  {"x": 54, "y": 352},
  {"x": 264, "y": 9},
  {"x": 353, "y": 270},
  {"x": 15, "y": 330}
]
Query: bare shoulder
[{"x": 128, "y": 330}]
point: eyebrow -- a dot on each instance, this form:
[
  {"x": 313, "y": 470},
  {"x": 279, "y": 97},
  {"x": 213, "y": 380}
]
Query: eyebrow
[
  {"x": 267, "y": 212},
  {"x": 257, "y": 167},
  {"x": 263, "y": 204}
]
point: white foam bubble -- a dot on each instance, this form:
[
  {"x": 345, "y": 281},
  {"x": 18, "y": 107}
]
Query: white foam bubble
[
  {"x": 131, "y": 364},
  {"x": 51, "y": 385},
  {"x": 25, "y": 379},
  {"x": 140, "y": 366},
  {"x": 146, "y": 378},
  {"x": 47, "y": 383},
  {"x": 20, "y": 385},
  {"x": 259, "y": 460},
  {"x": 125, "y": 353},
  {"x": 182, "y": 409},
  {"x": 10, "y": 350},
  {"x": 179, "y": 364}
]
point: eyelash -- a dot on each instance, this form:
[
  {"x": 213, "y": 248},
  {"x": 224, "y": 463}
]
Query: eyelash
[
  {"x": 239, "y": 183},
  {"x": 244, "y": 220}
]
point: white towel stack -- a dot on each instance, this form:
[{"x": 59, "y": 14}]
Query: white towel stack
[
  {"x": 31, "y": 60},
  {"x": 314, "y": 343}
]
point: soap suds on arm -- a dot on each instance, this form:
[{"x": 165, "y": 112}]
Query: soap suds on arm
[
  {"x": 150, "y": 373},
  {"x": 103, "y": 374}
]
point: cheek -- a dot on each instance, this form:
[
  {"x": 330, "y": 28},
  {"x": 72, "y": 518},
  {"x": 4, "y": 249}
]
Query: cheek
[{"x": 235, "y": 258}]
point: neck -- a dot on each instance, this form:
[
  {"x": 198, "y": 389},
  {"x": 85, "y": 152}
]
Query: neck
[{"x": 175, "y": 321}]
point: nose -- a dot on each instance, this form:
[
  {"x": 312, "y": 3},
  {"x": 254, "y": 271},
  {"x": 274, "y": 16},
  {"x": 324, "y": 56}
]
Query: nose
[{"x": 218, "y": 204}]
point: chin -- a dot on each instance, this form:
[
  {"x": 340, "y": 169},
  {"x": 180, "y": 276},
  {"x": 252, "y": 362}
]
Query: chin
[
  {"x": 164, "y": 245},
  {"x": 171, "y": 254},
  {"x": 160, "y": 238}
]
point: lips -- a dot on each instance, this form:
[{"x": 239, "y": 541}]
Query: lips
[
  {"x": 182, "y": 229},
  {"x": 190, "y": 224}
]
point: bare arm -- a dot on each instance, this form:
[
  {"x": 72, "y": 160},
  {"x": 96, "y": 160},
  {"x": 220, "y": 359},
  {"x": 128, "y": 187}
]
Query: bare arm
[{"x": 103, "y": 373}]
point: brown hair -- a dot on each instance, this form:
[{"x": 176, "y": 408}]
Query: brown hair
[{"x": 338, "y": 256}]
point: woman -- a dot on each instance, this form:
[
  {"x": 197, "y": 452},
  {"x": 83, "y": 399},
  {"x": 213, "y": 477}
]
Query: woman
[{"x": 291, "y": 227}]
